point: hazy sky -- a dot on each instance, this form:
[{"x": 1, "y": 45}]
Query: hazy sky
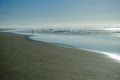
[{"x": 59, "y": 12}]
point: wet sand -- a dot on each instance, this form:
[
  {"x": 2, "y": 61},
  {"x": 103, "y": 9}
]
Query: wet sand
[{"x": 22, "y": 59}]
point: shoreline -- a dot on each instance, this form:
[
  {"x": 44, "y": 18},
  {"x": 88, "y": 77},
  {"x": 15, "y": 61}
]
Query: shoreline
[
  {"x": 24, "y": 59},
  {"x": 62, "y": 44},
  {"x": 108, "y": 54}
]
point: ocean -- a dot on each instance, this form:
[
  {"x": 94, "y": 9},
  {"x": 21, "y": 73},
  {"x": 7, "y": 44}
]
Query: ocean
[{"x": 102, "y": 40}]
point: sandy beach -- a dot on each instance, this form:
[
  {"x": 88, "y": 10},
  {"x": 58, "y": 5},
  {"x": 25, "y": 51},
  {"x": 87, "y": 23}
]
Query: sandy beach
[{"x": 22, "y": 59}]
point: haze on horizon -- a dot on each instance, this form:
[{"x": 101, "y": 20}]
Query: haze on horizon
[{"x": 31, "y": 13}]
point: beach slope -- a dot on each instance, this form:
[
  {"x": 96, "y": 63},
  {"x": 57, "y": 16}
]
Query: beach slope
[{"x": 22, "y": 59}]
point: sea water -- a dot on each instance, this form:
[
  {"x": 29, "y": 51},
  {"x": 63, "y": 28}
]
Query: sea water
[{"x": 105, "y": 41}]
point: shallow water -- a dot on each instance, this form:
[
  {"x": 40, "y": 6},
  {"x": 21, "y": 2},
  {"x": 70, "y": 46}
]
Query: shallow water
[
  {"x": 100, "y": 43},
  {"x": 103, "y": 42}
]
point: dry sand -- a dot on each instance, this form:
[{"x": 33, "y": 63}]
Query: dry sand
[{"x": 21, "y": 59}]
